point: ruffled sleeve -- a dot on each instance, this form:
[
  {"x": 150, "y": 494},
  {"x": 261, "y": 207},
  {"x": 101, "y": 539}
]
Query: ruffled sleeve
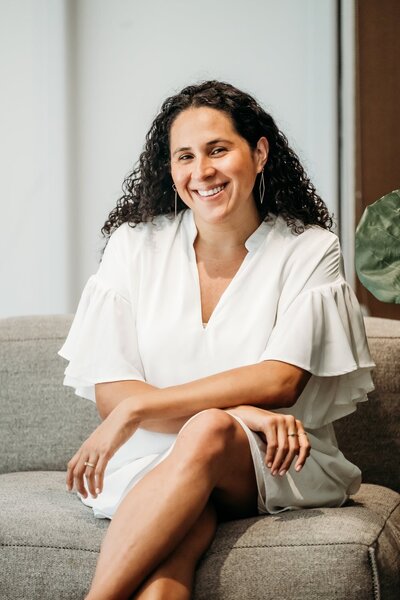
[
  {"x": 102, "y": 343},
  {"x": 321, "y": 330}
]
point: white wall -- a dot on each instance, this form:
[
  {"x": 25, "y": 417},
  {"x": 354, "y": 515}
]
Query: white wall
[
  {"x": 126, "y": 57},
  {"x": 33, "y": 160}
]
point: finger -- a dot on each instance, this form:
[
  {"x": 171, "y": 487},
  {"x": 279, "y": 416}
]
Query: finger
[
  {"x": 283, "y": 447},
  {"x": 99, "y": 474},
  {"x": 294, "y": 448},
  {"x": 305, "y": 448},
  {"x": 78, "y": 473},
  {"x": 69, "y": 479},
  {"x": 272, "y": 443},
  {"x": 90, "y": 474}
]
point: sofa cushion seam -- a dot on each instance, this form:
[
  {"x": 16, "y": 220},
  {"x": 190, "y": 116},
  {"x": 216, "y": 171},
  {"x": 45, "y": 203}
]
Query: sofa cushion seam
[
  {"x": 249, "y": 547},
  {"x": 5, "y": 545},
  {"x": 382, "y": 337},
  {"x": 33, "y": 339},
  {"x": 378, "y": 535},
  {"x": 373, "y": 565}
]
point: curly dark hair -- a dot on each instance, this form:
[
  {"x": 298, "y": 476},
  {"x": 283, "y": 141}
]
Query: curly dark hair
[{"x": 147, "y": 190}]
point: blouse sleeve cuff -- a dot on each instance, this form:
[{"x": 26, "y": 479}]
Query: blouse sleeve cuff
[
  {"x": 322, "y": 332},
  {"x": 101, "y": 345}
]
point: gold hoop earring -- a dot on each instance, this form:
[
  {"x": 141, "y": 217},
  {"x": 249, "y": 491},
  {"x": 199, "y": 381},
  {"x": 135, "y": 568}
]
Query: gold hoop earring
[
  {"x": 176, "y": 199},
  {"x": 261, "y": 187}
]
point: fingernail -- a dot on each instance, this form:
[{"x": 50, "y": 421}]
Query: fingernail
[
  {"x": 97, "y": 491},
  {"x": 298, "y": 468},
  {"x": 274, "y": 472},
  {"x": 281, "y": 473},
  {"x": 67, "y": 488},
  {"x": 269, "y": 465}
]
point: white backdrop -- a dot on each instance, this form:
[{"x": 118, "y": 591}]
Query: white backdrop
[{"x": 85, "y": 79}]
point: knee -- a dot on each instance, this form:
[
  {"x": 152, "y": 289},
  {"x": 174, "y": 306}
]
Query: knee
[{"x": 207, "y": 434}]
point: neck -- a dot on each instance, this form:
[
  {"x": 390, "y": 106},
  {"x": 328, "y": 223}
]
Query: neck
[{"x": 225, "y": 239}]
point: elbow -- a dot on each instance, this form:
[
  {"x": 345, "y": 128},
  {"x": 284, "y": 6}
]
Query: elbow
[
  {"x": 290, "y": 398},
  {"x": 279, "y": 398},
  {"x": 292, "y": 392},
  {"x": 101, "y": 409},
  {"x": 102, "y": 404},
  {"x": 285, "y": 398},
  {"x": 286, "y": 394},
  {"x": 282, "y": 383}
]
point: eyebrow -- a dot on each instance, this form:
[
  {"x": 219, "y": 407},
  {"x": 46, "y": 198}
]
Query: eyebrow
[{"x": 210, "y": 143}]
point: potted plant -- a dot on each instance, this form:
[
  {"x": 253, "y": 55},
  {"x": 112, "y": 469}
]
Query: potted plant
[{"x": 377, "y": 248}]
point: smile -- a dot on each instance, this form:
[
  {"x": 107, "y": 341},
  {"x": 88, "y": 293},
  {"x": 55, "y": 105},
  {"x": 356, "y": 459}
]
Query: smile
[{"x": 212, "y": 192}]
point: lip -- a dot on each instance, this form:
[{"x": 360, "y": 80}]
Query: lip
[
  {"x": 213, "y": 197},
  {"x": 211, "y": 187}
]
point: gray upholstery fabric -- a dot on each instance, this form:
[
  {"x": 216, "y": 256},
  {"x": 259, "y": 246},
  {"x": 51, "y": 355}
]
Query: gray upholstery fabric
[
  {"x": 37, "y": 428},
  {"x": 49, "y": 541},
  {"x": 312, "y": 554},
  {"x": 47, "y": 535},
  {"x": 370, "y": 437},
  {"x": 35, "y": 405},
  {"x": 53, "y": 538}
]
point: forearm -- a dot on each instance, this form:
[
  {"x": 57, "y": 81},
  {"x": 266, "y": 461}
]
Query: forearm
[
  {"x": 270, "y": 384},
  {"x": 110, "y": 395}
]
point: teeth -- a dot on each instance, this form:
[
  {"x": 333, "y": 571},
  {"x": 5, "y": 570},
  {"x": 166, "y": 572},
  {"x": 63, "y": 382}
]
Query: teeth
[{"x": 211, "y": 192}]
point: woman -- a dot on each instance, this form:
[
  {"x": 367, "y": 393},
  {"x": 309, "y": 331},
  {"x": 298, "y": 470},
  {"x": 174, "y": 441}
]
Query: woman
[{"x": 218, "y": 328}]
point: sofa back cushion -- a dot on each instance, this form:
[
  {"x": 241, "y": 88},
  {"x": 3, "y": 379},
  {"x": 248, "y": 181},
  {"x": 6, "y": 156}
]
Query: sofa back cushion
[
  {"x": 370, "y": 437},
  {"x": 42, "y": 423}
]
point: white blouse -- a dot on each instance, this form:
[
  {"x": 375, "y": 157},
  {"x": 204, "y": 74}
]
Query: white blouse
[{"x": 139, "y": 318}]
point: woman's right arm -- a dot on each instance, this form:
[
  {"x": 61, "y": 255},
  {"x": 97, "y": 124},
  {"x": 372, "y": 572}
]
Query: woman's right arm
[{"x": 109, "y": 395}]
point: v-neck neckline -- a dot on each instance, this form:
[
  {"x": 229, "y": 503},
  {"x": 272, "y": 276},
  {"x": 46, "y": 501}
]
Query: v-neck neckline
[{"x": 252, "y": 244}]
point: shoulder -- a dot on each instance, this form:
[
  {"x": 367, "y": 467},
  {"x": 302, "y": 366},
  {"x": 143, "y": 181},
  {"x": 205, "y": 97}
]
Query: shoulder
[
  {"x": 313, "y": 244},
  {"x": 312, "y": 236},
  {"x": 128, "y": 239},
  {"x": 125, "y": 248},
  {"x": 127, "y": 233},
  {"x": 314, "y": 251}
]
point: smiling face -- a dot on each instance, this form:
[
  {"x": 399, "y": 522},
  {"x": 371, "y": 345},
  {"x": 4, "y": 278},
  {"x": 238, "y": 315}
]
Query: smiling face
[{"x": 213, "y": 167}]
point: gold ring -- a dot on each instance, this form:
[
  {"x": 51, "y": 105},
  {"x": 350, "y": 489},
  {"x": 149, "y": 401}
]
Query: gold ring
[
  {"x": 302, "y": 433},
  {"x": 292, "y": 434},
  {"x": 88, "y": 464}
]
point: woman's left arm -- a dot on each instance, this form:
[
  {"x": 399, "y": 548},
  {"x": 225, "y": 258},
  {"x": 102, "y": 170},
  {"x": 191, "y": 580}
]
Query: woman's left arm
[{"x": 269, "y": 384}]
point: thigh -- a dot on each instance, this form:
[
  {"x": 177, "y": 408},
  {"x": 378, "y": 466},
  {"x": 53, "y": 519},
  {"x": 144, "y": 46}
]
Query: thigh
[
  {"x": 216, "y": 438},
  {"x": 236, "y": 495}
]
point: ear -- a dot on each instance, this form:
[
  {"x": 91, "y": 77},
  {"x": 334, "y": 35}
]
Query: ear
[{"x": 261, "y": 153}]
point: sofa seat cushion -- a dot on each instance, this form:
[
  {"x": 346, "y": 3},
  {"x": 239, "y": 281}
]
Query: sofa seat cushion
[
  {"x": 346, "y": 553},
  {"x": 48, "y": 535}
]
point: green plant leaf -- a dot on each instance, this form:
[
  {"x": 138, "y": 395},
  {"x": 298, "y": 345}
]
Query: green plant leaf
[{"x": 377, "y": 248}]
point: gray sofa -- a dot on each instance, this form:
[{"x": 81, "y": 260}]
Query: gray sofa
[{"x": 49, "y": 541}]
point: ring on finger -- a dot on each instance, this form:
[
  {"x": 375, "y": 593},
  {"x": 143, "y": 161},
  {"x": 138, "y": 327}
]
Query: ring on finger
[
  {"x": 302, "y": 433},
  {"x": 292, "y": 434},
  {"x": 89, "y": 464}
]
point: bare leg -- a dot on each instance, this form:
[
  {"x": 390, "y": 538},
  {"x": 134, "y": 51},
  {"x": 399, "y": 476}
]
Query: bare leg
[
  {"x": 173, "y": 579},
  {"x": 211, "y": 453}
]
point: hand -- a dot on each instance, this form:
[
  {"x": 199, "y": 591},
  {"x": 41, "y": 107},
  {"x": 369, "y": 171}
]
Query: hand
[
  {"x": 92, "y": 457},
  {"x": 284, "y": 435}
]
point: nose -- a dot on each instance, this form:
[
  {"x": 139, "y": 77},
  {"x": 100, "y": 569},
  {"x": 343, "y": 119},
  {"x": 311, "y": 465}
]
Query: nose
[{"x": 203, "y": 168}]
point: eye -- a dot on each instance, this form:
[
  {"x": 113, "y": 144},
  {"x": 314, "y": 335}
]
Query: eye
[
  {"x": 218, "y": 150},
  {"x": 185, "y": 157}
]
